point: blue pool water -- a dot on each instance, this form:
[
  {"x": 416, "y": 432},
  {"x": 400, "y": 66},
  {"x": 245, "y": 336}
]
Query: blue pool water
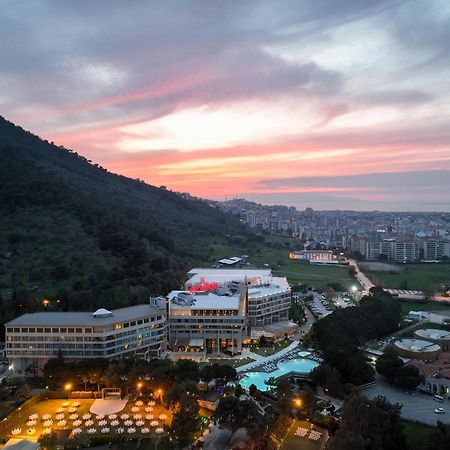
[{"x": 294, "y": 366}]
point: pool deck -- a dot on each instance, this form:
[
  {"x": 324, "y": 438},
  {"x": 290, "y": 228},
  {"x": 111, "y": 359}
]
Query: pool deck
[{"x": 260, "y": 360}]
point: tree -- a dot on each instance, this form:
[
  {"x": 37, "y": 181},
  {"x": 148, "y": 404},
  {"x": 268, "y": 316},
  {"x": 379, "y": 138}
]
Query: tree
[
  {"x": 408, "y": 377},
  {"x": 284, "y": 396},
  {"x": 23, "y": 393},
  {"x": 330, "y": 293},
  {"x": 388, "y": 366},
  {"x": 369, "y": 425},
  {"x": 232, "y": 413},
  {"x": 252, "y": 390},
  {"x": 185, "y": 421}
]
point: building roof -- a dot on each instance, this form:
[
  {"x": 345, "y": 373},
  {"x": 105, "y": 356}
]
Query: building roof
[
  {"x": 84, "y": 318},
  {"x": 205, "y": 301},
  {"x": 417, "y": 345},
  {"x": 434, "y": 334},
  {"x": 226, "y": 275}
]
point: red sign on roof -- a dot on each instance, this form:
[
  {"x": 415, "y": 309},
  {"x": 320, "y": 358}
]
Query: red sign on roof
[{"x": 203, "y": 286}]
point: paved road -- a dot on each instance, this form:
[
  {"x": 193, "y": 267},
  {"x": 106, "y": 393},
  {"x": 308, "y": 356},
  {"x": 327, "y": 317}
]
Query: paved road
[
  {"x": 363, "y": 280},
  {"x": 418, "y": 407}
]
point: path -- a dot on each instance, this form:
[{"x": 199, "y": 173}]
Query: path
[
  {"x": 264, "y": 359},
  {"x": 361, "y": 277}
]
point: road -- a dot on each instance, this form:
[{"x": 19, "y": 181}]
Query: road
[
  {"x": 362, "y": 279},
  {"x": 415, "y": 407}
]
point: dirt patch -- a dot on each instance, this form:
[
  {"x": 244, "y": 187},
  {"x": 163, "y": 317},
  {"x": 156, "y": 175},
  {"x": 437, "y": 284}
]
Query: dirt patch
[{"x": 380, "y": 267}]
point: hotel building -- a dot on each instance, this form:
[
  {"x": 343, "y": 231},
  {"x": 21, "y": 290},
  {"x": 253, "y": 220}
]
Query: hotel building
[
  {"x": 220, "y": 308},
  {"x": 32, "y": 339}
]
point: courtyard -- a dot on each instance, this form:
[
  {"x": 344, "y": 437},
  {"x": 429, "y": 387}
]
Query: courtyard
[{"x": 74, "y": 417}]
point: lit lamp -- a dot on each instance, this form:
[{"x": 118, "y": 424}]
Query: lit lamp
[
  {"x": 68, "y": 387},
  {"x": 298, "y": 402}
]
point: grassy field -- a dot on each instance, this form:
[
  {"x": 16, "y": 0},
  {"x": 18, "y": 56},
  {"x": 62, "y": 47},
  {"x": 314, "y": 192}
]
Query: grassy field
[
  {"x": 408, "y": 305},
  {"x": 293, "y": 442},
  {"x": 320, "y": 276},
  {"x": 273, "y": 251},
  {"x": 416, "y": 434},
  {"x": 231, "y": 362},
  {"x": 267, "y": 351},
  {"x": 20, "y": 416},
  {"x": 416, "y": 276}
]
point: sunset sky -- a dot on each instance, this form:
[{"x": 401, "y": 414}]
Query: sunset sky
[{"x": 331, "y": 104}]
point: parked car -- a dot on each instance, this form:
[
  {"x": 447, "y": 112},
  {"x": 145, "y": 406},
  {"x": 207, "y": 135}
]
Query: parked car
[{"x": 439, "y": 411}]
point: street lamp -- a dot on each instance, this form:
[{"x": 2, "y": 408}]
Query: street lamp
[
  {"x": 68, "y": 387},
  {"x": 298, "y": 402}
]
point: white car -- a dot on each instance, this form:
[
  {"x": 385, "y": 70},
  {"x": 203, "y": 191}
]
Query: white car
[{"x": 439, "y": 411}]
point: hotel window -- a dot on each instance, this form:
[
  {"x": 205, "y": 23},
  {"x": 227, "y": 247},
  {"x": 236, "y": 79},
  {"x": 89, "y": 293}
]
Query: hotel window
[
  {"x": 71, "y": 330},
  {"x": 31, "y": 330},
  {"x": 63, "y": 330},
  {"x": 40, "y": 330},
  {"x": 79, "y": 330},
  {"x": 24, "y": 330},
  {"x": 55, "y": 330},
  {"x": 88, "y": 330},
  {"x": 48, "y": 330},
  {"x": 117, "y": 326},
  {"x": 16, "y": 330}
]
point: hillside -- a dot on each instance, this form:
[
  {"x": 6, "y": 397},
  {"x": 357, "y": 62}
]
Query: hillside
[{"x": 71, "y": 231}]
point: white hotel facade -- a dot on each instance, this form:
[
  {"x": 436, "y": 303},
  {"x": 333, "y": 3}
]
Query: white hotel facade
[
  {"x": 220, "y": 309},
  {"x": 33, "y": 339}
]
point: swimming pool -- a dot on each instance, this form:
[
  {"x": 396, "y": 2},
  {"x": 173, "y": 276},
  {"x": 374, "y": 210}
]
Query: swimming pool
[{"x": 295, "y": 366}]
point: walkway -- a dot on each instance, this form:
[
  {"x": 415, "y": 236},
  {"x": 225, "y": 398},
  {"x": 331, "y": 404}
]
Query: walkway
[
  {"x": 264, "y": 359},
  {"x": 362, "y": 278}
]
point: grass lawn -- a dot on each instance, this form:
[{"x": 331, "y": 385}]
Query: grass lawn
[
  {"x": 293, "y": 442},
  {"x": 427, "y": 305},
  {"x": 267, "y": 351},
  {"x": 20, "y": 416},
  {"x": 416, "y": 434},
  {"x": 230, "y": 362},
  {"x": 315, "y": 275},
  {"x": 417, "y": 276}
]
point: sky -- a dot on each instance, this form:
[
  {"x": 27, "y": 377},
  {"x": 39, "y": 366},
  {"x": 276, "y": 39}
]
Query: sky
[{"x": 332, "y": 104}]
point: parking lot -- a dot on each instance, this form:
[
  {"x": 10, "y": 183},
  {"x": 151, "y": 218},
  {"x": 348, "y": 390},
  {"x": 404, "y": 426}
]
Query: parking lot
[
  {"x": 415, "y": 407},
  {"x": 321, "y": 307}
]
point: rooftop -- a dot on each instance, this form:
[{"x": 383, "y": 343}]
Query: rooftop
[
  {"x": 226, "y": 275},
  {"x": 434, "y": 334},
  {"x": 417, "y": 345},
  {"x": 203, "y": 301},
  {"x": 84, "y": 318}
]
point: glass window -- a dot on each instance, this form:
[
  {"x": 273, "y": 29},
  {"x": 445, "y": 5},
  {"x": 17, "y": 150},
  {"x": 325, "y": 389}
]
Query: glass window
[
  {"x": 48, "y": 330},
  {"x": 71, "y": 330},
  {"x": 55, "y": 330},
  {"x": 40, "y": 330},
  {"x": 24, "y": 330},
  {"x": 16, "y": 330},
  {"x": 79, "y": 330},
  {"x": 63, "y": 330},
  {"x": 88, "y": 330}
]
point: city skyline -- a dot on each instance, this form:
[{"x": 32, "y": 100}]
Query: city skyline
[{"x": 334, "y": 105}]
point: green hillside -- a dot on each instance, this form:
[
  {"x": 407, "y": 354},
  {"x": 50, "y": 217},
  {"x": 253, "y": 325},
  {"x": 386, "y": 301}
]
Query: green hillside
[{"x": 71, "y": 231}]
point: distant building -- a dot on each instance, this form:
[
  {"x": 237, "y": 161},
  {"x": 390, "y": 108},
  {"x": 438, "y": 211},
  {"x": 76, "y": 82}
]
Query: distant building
[
  {"x": 33, "y": 339},
  {"x": 315, "y": 256}
]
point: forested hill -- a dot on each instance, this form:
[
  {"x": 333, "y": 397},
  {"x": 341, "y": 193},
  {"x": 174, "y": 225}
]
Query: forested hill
[{"x": 71, "y": 231}]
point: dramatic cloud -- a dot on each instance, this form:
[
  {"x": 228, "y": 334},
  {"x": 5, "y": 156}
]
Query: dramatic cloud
[{"x": 335, "y": 103}]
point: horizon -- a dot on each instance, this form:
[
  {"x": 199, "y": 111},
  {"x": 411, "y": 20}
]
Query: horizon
[{"x": 181, "y": 95}]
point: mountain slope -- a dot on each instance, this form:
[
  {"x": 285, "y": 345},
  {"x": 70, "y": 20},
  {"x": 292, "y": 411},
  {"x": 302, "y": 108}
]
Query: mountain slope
[{"x": 72, "y": 231}]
